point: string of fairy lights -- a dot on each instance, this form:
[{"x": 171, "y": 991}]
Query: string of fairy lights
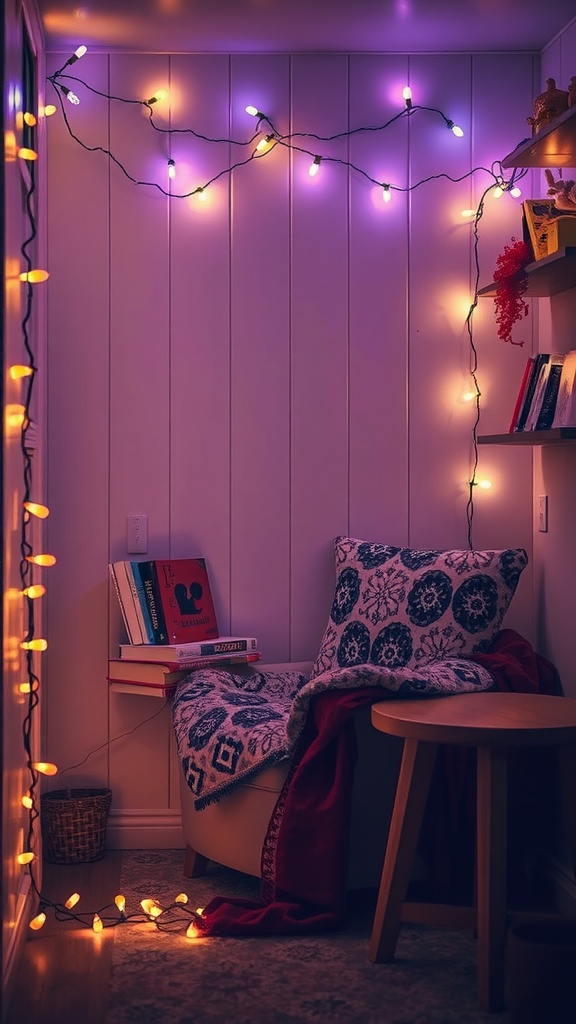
[{"x": 261, "y": 140}]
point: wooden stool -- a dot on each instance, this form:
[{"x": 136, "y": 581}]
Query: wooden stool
[{"x": 492, "y": 722}]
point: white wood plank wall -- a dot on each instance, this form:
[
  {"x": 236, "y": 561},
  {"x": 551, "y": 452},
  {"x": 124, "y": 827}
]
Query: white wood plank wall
[{"x": 269, "y": 368}]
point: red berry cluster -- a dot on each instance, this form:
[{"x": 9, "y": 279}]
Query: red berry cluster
[{"x": 511, "y": 281}]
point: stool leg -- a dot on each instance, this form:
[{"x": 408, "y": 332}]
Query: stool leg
[
  {"x": 411, "y": 795},
  {"x": 491, "y": 852}
]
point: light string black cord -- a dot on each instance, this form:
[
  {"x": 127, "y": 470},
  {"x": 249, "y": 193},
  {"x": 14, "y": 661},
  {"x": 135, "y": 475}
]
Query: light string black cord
[{"x": 275, "y": 137}]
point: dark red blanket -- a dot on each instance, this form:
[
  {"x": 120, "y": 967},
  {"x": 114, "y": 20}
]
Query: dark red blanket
[{"x": 304, "y": 861}]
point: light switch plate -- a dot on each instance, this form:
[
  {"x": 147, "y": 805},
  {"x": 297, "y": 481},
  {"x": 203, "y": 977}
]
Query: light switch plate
[
  {"x": 137, "y": 534},
  {"x": 543, "y": 513}
]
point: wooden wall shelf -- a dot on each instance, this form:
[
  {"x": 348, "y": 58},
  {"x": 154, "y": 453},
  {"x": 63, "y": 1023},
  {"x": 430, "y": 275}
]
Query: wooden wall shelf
[
  {"x": 525, "y": 438},
  {"x": 548, "y": 276},
  {"x": 553, "y": 146}
]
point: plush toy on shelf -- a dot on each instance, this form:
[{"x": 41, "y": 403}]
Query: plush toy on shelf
[{"x": 564, "y": 192}]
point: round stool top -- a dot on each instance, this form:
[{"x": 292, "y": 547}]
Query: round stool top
[{"x": 480, "y": 719}]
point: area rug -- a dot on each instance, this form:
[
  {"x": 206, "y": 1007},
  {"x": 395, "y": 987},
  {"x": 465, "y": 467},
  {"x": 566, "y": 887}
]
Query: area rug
[{"x": 162, "y": 976}]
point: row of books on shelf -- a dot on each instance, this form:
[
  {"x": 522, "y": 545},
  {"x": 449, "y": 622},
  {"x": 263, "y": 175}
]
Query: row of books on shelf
[
  {"x": 165, "y": 600},
  {"x": 546, "y": 398}
]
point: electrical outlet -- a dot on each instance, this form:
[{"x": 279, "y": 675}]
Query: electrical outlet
[
  {"x": 543, "y": 513},
  {"x": 136, "y": 534}
]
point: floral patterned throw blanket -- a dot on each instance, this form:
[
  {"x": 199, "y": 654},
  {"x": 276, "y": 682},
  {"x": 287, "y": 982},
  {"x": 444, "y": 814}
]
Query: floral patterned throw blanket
[{"x": 231, "y": 726}]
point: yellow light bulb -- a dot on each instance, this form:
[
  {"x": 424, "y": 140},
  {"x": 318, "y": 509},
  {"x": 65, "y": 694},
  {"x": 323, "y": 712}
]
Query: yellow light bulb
[
  {"x": 27, "y": 802},
  {"x": 34, "y": 645},
  {"x": 97, "y": 925},
  {"x": 37, "y": 922},
  {"x": 41, "y": 559},
  {"x": 151, "y": 907},
  {"x": 265, "y": 144},
  {"x": 200, "y": 910},
  {"x": 29, "y": 686},
  {"x": 72, "y": 900},
  {"x": 29, "y": 119},
  {"x": 36, "y": 590},
  {"x": 485, "y": 484},
  {"x": 181, "y": 898},
  {"x": 25, "y": 858},
  {"x": 16, "y": 372},
  {"x": 36, "y": 510},
  {"x": 48, "y": 110},
  {"x": 120, "y": 902},
  {"x": 34, "y": 276},
  {"x": 27, "y": 154},
  {"x": 14, "y": 415},
  {"x": 192, "y": 931},
  {"x": 45, "y": 767},
  {"x": 160, "y": 94}
]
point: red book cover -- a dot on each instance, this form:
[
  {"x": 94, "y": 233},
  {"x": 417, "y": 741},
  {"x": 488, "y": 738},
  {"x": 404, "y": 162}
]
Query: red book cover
[
  {"x": 186, "y": 599},
  {"x": 521, "y": 393}
]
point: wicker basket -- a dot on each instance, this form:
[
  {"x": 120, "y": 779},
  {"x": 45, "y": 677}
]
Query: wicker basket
[{"x": 74, "y": 824}]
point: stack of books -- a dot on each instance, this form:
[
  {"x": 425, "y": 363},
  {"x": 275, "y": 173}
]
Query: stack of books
[
  {"x": 546, "y": 398},
  {"x": 169, "y": 615}
]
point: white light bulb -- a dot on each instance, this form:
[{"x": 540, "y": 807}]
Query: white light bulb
[
  {"x": 457, "y": 131},
  {"x": 76, "y": 55},
  {"x": 70, "y": 96},
  {"x": 315, "y": 166},
  {"x": 386, "y": 193},
  {"x": 498, "y": 192},
  {"x": 516, "y": 192},
  {"x": 171, "y": 169},
  {"x": 250, "y": 109},
  {"x": 407, "y": 96}
]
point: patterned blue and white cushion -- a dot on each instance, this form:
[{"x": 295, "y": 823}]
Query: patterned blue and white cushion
[{"x": 405, "y": 608}]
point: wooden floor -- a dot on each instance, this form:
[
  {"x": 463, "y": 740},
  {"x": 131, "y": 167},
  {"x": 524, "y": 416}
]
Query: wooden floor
[{"x": 65, "y": 970}]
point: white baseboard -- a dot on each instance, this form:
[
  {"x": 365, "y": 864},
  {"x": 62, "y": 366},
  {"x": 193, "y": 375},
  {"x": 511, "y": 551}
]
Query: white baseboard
[
  {"x": 558, "y": 883},
  {"x": 144, "y": 830}
]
